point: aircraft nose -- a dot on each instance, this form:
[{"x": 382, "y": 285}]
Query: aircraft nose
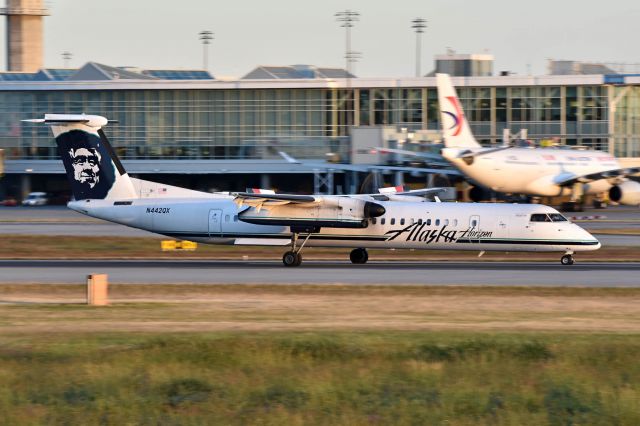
[{"x": 593, "y": 241}]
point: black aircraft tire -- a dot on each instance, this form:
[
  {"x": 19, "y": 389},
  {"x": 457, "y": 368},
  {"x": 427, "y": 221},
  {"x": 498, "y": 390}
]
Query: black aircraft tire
[
  {"x": 359, "y": 256},
  {"x": 291, "y": 259},
  {"x": 567, "y": 259}
]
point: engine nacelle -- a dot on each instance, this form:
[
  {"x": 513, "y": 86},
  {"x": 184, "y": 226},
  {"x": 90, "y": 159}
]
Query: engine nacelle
[
  {"x": 627, "y": 193},
  {"x": 331, "y": 212}
]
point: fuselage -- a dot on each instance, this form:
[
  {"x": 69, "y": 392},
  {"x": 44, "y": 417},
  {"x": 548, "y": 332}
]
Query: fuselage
[
  {"x": 534, "y": 171},
  {"x": 410, "y": 225}
]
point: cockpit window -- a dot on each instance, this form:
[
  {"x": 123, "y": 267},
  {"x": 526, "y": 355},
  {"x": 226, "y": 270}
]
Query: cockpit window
[
  {"x": 557, "y": 217},
  {"x": 540, "y": 217},
  {"x": 552, "y": 217}
]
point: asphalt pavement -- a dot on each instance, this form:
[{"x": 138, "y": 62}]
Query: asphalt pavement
[{"x": 544, "y": 274}]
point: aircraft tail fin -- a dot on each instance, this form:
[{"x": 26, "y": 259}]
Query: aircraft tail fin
[
  {"x": 455, "y": 127},
  {"x": 93, "y": 168}
]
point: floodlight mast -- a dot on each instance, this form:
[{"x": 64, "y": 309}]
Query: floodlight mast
[
  {"x": 66, "y": 57},
  {"x": 347, "y": 18},
  {"x": 205, "y": 37},
  {"x": 419, "y": 24}
]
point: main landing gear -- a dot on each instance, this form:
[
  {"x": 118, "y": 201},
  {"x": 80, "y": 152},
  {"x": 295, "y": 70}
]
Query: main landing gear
[
  {"x": 294, "y": 257},
  {"x": 567, "y": 259},
  {"x": 359, "y": 256}
]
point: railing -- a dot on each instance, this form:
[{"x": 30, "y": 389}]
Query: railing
[{"x": 252, "y": 150}]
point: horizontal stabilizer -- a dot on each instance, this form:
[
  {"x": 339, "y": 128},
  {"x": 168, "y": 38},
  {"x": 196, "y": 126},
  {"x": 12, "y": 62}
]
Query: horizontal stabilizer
[{"x": 95, "y": 121}]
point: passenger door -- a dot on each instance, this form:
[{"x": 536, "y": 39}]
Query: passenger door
[{"x": 215, "y": 222}]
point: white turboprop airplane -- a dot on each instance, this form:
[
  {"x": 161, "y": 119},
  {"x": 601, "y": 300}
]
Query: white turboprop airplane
[
  {"x": 538, "y": 172},
  {"x": 389, "y": 219}
]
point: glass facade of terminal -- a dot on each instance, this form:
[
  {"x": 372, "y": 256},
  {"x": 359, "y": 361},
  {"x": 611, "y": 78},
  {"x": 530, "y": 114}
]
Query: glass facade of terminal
[{"x": 249, "y": 123}]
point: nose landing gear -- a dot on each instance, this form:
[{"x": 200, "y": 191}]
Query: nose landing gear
[{"x": 567, "y": 259}]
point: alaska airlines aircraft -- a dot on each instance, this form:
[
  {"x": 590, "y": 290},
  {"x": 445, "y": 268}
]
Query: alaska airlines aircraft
[
  {"x": 538, "y": 172},
  {"x": 392, "y": 218}
]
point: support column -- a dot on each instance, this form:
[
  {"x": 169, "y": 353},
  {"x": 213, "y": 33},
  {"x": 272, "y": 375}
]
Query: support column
[
  {"x": 354, "y": 184},
  {"x": 430, "y": 180},
  {"x": 323, "y": 184},
  {"x": 265, "y": 181},
  {"x": 25, "y": 185},
  {"x": 399, "y": 178}
]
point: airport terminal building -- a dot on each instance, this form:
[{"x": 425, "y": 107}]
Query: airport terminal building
[{"x": 189, "y": 128}]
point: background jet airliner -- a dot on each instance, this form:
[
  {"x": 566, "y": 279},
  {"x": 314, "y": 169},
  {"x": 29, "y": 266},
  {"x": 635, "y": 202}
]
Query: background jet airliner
[
  {"x": 538, "y": 172},
  {"x": 390, "y": 219}
]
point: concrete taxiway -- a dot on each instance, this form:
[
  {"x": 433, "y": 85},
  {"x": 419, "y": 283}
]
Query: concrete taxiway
[{"x": 587, "y": 274}]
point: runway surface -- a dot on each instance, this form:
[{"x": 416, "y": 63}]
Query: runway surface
[{"x": 326, "y": 272}]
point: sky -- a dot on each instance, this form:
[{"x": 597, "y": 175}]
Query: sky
[{"x": 164, "y": 34}]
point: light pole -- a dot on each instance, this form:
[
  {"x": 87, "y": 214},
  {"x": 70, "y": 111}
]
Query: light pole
[
  {"x": 347, "y": 18},
  {"x": 352, "y": 57},
  {"x": 66, "y": 57},
  {"x": 419, "y": 24},
  {"x": 205, "y": 37}
]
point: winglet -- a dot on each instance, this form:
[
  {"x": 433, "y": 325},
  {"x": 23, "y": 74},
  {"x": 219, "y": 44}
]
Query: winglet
[{"x": 288, "y": 158}]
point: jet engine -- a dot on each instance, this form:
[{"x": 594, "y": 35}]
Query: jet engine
[{"x": 627, "y": 193}]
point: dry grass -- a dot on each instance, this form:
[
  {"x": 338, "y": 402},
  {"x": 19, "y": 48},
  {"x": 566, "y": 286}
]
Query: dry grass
[{"x": 193, "y": 308}]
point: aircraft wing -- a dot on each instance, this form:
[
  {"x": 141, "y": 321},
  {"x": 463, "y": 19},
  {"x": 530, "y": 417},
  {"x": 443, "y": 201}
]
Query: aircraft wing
[
  {"x": 607, "y": 174},
  {"x": 429, "y": 155},
  {"x": 270, "y": 199},
  {"x": 400, "y": 194},
  {"x": 307, "y": 212}
]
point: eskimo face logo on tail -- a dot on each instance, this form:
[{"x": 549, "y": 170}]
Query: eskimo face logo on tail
[
  {"x": 86, "y": 165},
  {"x": 89, "y": 167},
  {"x": 457, "y": 117}
]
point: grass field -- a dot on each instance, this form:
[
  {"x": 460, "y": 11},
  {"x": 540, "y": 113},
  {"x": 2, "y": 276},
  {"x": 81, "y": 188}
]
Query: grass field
[
  {"x": 71, "y": 247},
  {"x": 320, "y": 355}
]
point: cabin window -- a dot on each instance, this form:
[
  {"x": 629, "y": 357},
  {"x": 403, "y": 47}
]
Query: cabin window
[
  {"x": 446, "y": 222},
  {"x": 382, "y": 221},
  {"x": 540, "y": 217},
  {"x": 402, "y": 221},
  {"x": 227, "y": 218},
  {"x": 437, "y": 222},
  {"x": 235, "y": 218},
  {"x": 373, "y": 221},
  {"x": 557, "y": 217},
  {"x": 474, "y": 223},
  {"x": 412, "y": 221},
  {"x": 428, "y": 222},
  {"x": 393, "y": 220},
  {"x": 455, "y": 222},
  {"x": 419, "y": 221}
]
